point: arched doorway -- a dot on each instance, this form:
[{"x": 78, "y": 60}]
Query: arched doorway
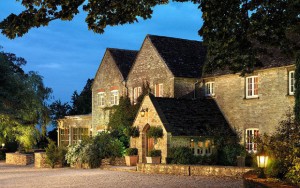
[{"x": 148, "y": 143}]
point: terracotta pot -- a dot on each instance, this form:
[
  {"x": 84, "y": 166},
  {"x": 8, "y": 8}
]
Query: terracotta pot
[
  {"x": 131, "y": 160},
  {"x": 153, "y": 160}
]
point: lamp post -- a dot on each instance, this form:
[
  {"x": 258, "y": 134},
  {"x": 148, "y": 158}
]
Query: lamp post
[
  {"x": 2, "y": 145},
  {"x": 262, "y": 161}
]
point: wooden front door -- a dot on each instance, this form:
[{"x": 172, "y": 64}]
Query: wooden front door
[{"x": 150, "y": 144}]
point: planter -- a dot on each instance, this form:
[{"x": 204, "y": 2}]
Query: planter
[
  {"x": 153, "y": 160},
  {"x": 131, "y": 160}
]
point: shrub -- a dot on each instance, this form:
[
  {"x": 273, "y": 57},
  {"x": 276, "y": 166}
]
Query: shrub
[
  {"x": 155, "y": 153},
  {"x": 131, "y": 151},
  {"x": 132, "y": 132},
  {"x": 93, "y": 150},
  {"x": 155, "y": 132},
  {"x": 55, "y": 155},
  {"x": 228, "y": 154},
  {"x": 182, "y": 155}
]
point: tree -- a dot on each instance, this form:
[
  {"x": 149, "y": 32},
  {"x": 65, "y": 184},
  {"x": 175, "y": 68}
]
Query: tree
[
  {"x": 82, "y": 103},
  {"x": 23, "y": 99},
  {"x": 59, "y": 110}
]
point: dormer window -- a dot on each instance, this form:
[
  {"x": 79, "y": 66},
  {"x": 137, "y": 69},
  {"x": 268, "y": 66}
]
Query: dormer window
[{"x": 209, "y": 89}]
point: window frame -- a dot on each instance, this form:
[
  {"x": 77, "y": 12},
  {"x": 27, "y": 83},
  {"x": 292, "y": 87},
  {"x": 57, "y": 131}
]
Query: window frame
[
  {"x": 254, "y": 87},
  {"x": 114, "y": 97},
  {"x": 137, "y": 91},
  {"x": 160, "y": 91},
  {"x": 291, "y": 82},
  {"x": 250, "y": 144},
  {"x": 101, "y": 98},
  {"x": 209, "y": 89}
]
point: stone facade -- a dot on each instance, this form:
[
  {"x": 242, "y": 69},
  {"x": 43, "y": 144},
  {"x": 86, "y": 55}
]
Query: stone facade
[
  {"x": 193, "y": 170},
  {"x": 150, "y": 68},
  {"x": 108, "y": 78},
  {"x": 19, "y": 159},
  {"x": 263, "y": 112}
]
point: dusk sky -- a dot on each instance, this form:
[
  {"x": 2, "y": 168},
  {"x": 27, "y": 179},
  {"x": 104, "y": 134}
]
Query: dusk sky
[{"x": 66, "y": 53}]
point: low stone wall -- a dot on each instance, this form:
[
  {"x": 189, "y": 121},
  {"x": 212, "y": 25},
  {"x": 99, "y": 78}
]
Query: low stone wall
[
  {"x": 163, "y": 169},
  {"x": 40, "y": 161},
  {"x": 192, "y": 170},
  {"x": 19, "y": 159},
  {"x": 119, "y": 161},
  {"x": 231, "y": 171}
]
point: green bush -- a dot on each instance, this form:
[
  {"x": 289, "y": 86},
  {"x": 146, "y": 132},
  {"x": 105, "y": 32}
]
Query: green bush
[
  {"x": 131, "y": 151},
  {"x": 155, "y": 132},
  {"x": 132, "y": 132},
  {"x": 181, "y": 155},
  {"x": 91, "y": 151},
  {"x": 229, "y": 153},
  {"x": 155, "y": 153},
  {"x": 55, "y": 155}
]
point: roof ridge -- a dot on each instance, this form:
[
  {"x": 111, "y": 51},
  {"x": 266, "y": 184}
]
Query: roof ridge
[
  {"x": 121, "y": 49},
  {"x": 151, "y": 35}
]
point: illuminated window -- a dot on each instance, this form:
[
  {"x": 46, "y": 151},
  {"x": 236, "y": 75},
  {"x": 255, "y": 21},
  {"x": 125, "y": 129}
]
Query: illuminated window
[
  {"x": 209, "y": 89},
  {"x": 159, "y": 90},
  {"x": 79, "y": 134},
  {"x": 100, "y": 99},
  {"x": 201, "y": 147},
  {"x": 114, "y": 97},
  {"x": 291, "y": 82},
  {"x": 251, "y": 136},
  {"x": 252, "y": 87}
]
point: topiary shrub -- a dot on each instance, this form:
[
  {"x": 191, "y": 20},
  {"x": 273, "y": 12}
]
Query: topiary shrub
[
  {"x": 132, "y": 132},
  {"x": 154, "y": 153},
  {"x": 155, "y": 132},
  {"x": 55, "y": 155},
  {"x": 131, "y": 151}
]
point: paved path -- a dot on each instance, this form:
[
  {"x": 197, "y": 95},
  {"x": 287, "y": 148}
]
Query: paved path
[{"x": 28, "y": 176}]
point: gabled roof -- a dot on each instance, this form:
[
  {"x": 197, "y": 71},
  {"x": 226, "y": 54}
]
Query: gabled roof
[
  {"x": 123, "y": 59},
  {"x": 187, "y": 117},
  {"x": 184, "y": 58}
]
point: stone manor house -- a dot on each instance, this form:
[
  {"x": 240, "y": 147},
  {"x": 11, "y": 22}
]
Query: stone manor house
[{"x": 183, "y": 101}]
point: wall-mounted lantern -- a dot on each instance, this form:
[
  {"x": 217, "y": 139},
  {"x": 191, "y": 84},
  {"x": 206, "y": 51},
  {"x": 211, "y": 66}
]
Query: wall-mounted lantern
[
  {"x": 143, "y": 112},
  {"x": 262, "y": 161}
]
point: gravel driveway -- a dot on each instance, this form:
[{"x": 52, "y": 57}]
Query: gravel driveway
[{"x": 28, "y": 176}]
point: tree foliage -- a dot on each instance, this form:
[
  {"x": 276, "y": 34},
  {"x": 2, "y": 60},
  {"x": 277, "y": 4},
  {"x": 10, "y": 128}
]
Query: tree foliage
[{"x": 23, "y": 99}]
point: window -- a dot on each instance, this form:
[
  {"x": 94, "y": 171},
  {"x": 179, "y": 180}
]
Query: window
[
  {"x": 100, "y": 99},
  {"x": 251, "y": 135},
  {"x": 159, "y": 89},
  {"x": 137, "y": 91},
  {"x": 64, "y": 136},
  {"x": 79, "y": 134},
  {"x": 291, "y": 82},
  {"x": 209, "y": 89},
  {"x": 201, "y": 147},
  {"x": 252, "y": 87},
  {"x": 114, "y": 97}
]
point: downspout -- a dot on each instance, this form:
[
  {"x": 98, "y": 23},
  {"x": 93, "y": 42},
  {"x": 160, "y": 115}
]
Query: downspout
[{"x": 195, "y": 88}]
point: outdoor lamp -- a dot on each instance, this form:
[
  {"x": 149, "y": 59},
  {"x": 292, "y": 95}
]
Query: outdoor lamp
[
  {"x": 2, "y": 145},
  {"x": 143, "y": 112},
  {"x": 262, "y": 161}
]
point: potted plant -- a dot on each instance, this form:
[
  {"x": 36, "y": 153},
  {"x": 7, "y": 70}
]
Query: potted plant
[
  {"x": 155, "y": 132},
  {"x": 131, "y": 156},
  {"x": 154, "y": 156}
]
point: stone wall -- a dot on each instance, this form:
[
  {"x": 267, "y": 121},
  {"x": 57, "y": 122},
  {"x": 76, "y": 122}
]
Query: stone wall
[
  {"x": 186, "y": 87},
  {"x": 119, "y": 161},
  {"x": 192, "y": 170},
  {"x": 108, "y": 78},
  {"x": 150, "y": 67},
  {"x": 19, "y": 159},
  {"x": 264, "y": 112},
  {"x": 143, "y": 123}
]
